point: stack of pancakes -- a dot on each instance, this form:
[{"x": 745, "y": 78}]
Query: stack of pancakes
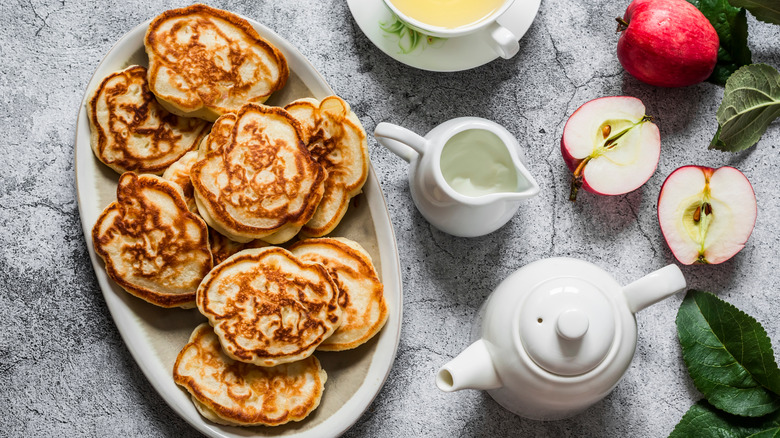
[{"x": 202, "y": 233}]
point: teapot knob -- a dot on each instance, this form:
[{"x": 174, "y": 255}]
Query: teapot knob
[{"x": 572, "y": 324}]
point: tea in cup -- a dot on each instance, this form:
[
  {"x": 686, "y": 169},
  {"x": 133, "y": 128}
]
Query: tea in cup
[{"x": 454, "y": 18}]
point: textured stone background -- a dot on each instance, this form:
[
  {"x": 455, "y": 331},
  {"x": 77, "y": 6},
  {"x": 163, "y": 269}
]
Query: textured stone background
[{"x": 64, "y": 370}]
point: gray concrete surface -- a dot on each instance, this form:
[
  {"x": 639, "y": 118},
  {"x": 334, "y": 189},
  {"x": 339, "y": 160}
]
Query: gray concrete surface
[{"x": 64, "y": 370}]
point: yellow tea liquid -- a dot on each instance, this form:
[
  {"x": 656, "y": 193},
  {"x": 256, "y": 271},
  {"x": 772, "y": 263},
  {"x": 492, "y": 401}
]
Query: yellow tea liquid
[{"x": 449, "y": 14}]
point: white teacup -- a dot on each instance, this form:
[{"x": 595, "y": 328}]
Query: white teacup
[{"x": 500, "y": 39}]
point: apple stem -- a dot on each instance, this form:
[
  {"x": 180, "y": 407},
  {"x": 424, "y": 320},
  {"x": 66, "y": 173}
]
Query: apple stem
[
  {"x": 622, "y": 25},
  {"x": 576, "y": 179},
  {"x": 576, "y": 183}
]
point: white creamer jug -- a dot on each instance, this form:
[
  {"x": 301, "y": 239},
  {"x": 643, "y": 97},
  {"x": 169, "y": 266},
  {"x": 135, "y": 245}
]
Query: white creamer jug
[
  {"x": 466, "y": 175},
  {"x": 555, "y": 337}
]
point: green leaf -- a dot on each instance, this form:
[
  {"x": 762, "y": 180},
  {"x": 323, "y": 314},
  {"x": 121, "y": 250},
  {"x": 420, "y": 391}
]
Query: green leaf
[
  {"x": 731, "y": 25},
  {"x": 767, "y": 11},
  {"x": 750, "y": 103},
  {"x": 716, "y": 143},
  {"x": 728, "y": 355},
  {"x": 705, "y": 421},
  {"x": 769, "y": 433}
]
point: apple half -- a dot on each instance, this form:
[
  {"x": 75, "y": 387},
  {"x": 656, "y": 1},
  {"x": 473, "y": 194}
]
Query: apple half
[
  {"x": 610, "y": 146},
  {"x": 706, "y": 215}
]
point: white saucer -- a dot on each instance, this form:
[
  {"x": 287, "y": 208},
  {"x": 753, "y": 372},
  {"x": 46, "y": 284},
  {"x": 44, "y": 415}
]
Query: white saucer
[{"x": 435, "y": 54}]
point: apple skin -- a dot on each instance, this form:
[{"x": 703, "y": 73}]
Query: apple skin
[
  {"x": 733, "y": 206},
  {"x": 668, "y": 43}
]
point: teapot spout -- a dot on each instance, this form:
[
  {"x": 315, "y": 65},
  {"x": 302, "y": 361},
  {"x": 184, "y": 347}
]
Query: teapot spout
[
  {"x": 471, "y": 369},
  {"x": 654, "y": 287}
]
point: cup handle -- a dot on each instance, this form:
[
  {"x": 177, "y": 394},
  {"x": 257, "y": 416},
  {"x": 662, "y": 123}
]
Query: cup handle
[
  {"x": 400, "y": 141},
  {"x": 502, "y": 40}
]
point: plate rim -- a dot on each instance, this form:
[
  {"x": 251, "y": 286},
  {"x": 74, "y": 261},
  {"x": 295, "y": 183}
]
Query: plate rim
[{"x": 342, "y": 419}]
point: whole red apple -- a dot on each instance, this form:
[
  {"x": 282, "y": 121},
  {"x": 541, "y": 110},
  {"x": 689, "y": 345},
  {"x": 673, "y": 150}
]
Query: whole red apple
[{"x": 667, "y": 43}]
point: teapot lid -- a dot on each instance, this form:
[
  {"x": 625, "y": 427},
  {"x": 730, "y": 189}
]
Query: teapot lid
[{"x": 567, "y": 325}]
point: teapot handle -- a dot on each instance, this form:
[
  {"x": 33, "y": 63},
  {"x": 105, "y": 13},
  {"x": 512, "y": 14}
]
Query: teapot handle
[
  {"x": 654, "y": 287},
  {"x": 400, "y": 141}
]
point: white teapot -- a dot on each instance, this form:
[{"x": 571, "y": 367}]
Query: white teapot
[{"x": 555, "y": 337}]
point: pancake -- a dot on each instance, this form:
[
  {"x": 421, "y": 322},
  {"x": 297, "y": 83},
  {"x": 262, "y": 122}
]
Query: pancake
[
  {"x": 361, "y": 293},
  {"x": 259, "y": 182},
  {"x": 205, "y": 62},
  {"x": 336, "y": 139},
  {"x": 222, "y": 247},
  {"x": 152, "y": 245},
  {"x": 179, "y": 172},
  {"x": 236, "y": 393},
  {"x": 220, "y": 134},
  {"x": 269, "y": 308},
  {"x": 130, "y": 131}
]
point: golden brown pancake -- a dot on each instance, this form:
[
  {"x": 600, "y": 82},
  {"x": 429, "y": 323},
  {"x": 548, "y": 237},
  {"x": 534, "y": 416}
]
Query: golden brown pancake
[
  {"x": 221, "y": 246},
  {"x": 130, "y": 131},
  {"x": 268, "y": 307},
  {"x": 205, "y": 62},
  {"x": 237, "y": 393},
  {"x": 261, "y": 183},
  {"x": 153, "y": 246},
  {"x": 221, "y": 133},
  {"x": 179, "y": 172},
  {"x": 336, "y": 139},
  {"x": 361, "y": 294}
]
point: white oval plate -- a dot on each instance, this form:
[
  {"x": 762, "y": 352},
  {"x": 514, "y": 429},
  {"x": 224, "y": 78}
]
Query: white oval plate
[{"x": 155, "y": 335}]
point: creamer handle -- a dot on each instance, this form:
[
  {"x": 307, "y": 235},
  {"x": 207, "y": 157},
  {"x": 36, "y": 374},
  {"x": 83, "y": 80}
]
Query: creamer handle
[
  {"x": 400, "y": 141},
  {"x": 654, "y": 287}
]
